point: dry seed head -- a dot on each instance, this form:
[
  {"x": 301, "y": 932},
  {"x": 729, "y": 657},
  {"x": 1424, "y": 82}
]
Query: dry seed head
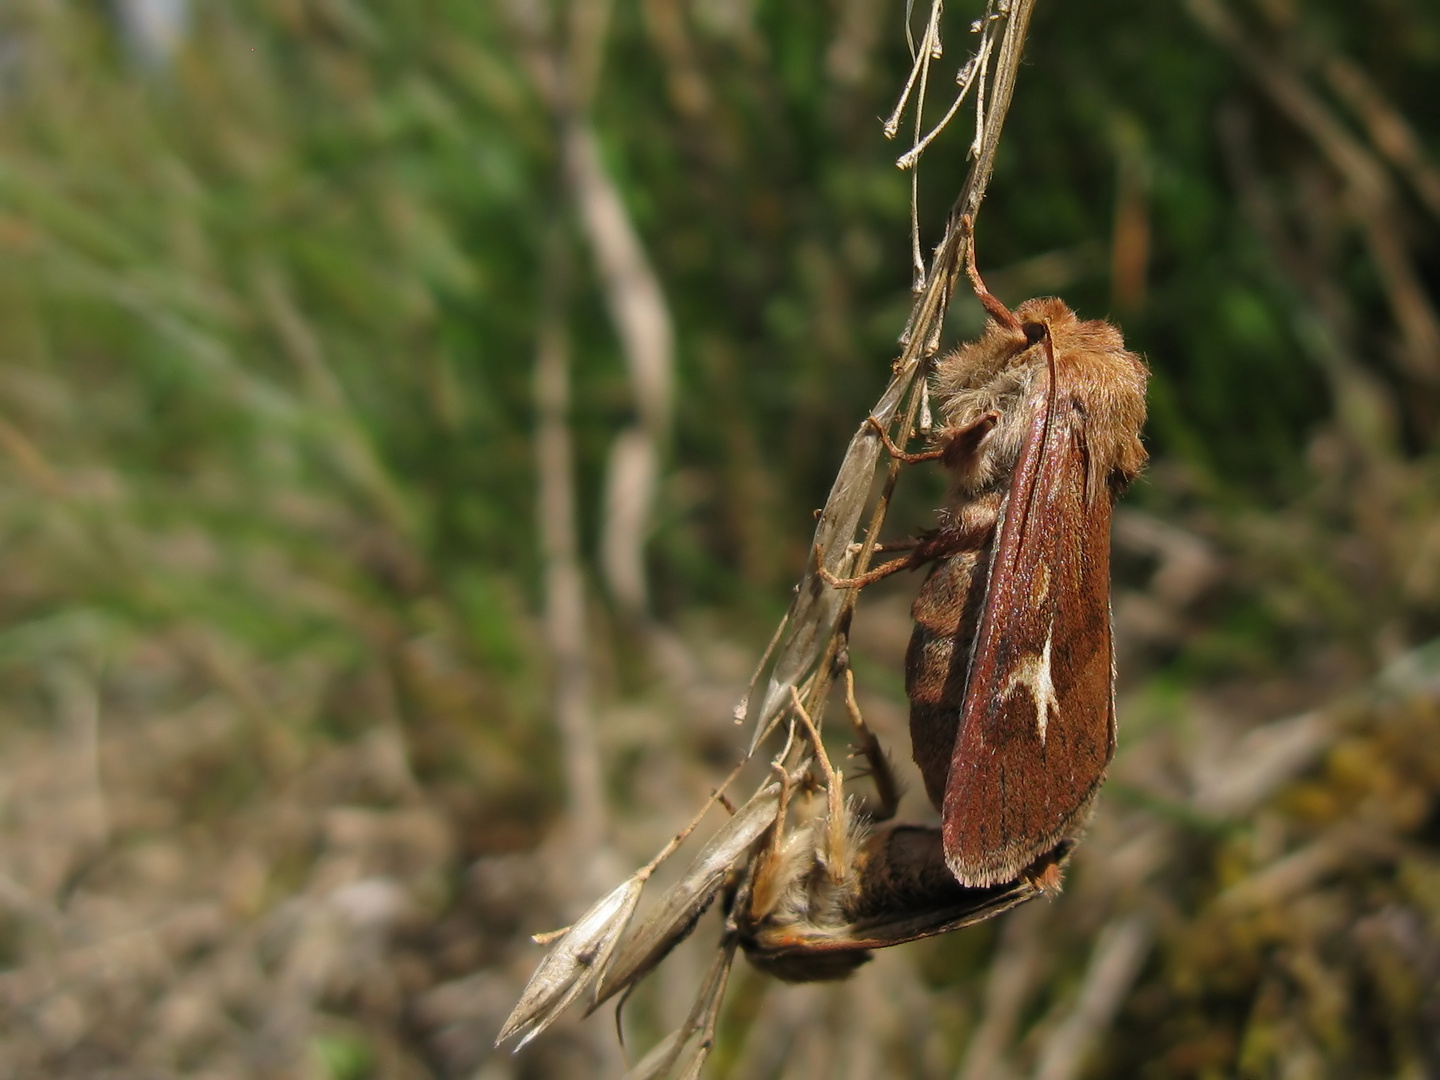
[{"x": 576, "y": 961}]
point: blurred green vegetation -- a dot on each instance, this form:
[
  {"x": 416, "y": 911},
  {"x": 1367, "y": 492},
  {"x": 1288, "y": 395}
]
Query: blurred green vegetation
[
  {"x": 304, "y": 260},
  {"x": 268, "y": 320}
]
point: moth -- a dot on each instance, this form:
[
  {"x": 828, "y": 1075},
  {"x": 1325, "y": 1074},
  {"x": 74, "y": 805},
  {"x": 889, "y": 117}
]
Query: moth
[
  {"x": 1010, "y": 668},
  {"x": 898, "y": 889}
]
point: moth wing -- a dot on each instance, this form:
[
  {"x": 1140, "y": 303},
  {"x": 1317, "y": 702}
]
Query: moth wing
[
  {"x": 905, "y": 901},
  {"x": 1037, "y": 724},
  {"x": 811, "y": 953}
]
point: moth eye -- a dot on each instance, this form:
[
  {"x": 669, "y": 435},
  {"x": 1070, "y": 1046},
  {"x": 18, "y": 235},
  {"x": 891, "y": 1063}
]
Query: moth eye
[{"x": 1035, "y": 332}]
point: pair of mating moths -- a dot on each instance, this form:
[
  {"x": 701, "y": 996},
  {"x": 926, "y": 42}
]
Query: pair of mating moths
[
  {"x": 1010, "y": 675},
  {"x": 1010, "y": 670}
]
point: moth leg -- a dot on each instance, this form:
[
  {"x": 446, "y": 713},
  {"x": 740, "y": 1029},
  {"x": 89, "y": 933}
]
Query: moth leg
[
  {"x": 905, "y": 562},
  {"x": 923, "y": 549},
  {"x": 837, "y": 853},
  {"x": 896, "y": 452},
  {"x": 887, "y": 789}
]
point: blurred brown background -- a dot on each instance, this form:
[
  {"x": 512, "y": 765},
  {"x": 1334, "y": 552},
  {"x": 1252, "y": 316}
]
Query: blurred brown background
[{"x": 400, "y": 475}]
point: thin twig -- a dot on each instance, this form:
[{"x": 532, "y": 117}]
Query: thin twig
[
  {"x": 968, "y": 77},
  {"x": 718, "y": 795},
  {"x": 928, "y": 50},
  {"x": 1007, "y": 69},
  {"x": 892, "y": 123}
]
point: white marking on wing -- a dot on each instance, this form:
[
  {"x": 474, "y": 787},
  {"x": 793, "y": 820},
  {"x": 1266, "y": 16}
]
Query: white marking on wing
[{"x": 1033, "y": 673}]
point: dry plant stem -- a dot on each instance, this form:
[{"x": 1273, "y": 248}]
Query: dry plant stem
[
  {"x": 979, "y": 113},
  {"x": 588, "y": 23},
  {"x": 642, "y": 319},
  {"x": 929, "y": 46},
  {"x": 970, "y": 76},
  {"x": 865, "y": 576},
  {"x": 921, "y": 57},
  {"x": 1007, "y": 67},
  {"x": 564, "y": 585},
  {"x": 566, "y": 75},
  {"x": 819, "y": 690},
  {"x": 707, "y": 1010},
  {"x": 565, "y": 79},
  {"x": 892, "y": 477},
  {"x": 682, "y": 1046},
  {"x": 718, "y": 795},
  {"x": 817, "y": 611},
  {"x": 743, "y": 705},
  {"x": 909, "y": 159}
]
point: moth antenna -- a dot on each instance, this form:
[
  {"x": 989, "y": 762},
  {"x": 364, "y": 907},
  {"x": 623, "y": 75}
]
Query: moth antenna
[
  {"x": 992, "y": 303},
  {"x": 843, "y": 836},
  {"x": 836, "y": 829},
  {"x": 770, "y": 879}
]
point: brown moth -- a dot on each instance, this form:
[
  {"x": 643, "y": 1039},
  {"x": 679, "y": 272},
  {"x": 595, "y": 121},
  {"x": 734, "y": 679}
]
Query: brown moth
[{"x": 1010, "y": 670}]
